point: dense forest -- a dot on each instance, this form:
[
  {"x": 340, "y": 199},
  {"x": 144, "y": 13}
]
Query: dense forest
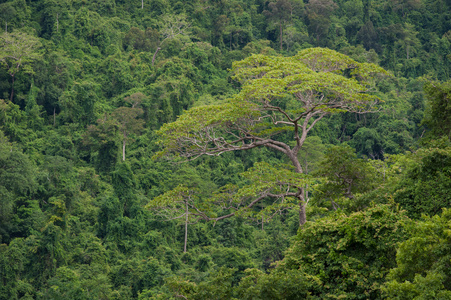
[{"x": 225, "y": 149}]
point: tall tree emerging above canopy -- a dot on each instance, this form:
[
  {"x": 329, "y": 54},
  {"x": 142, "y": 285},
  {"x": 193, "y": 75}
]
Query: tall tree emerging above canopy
[{"x": 278, "y": 94}]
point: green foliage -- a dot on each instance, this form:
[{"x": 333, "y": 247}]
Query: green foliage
[
  {"x": 17, "y": 180},
  {"x": 289, "y": 284},
  {"x": 424, "y": 188},
  {"x": 141, "y": 40},
  {"x": 12, "y": 263},
  {"x": 344, "y": 175},
  {"x": 438, "y": 107},
  {"x": 272, "y": 241},
  {"x": 139, "y": 274},
  {"x": 278, "y": 95},
  {"x": 18, "y": 51},
  {"x": 267, "y": 79},
  {"x": 94, "y": 76},
  {"x": 422, "y": 270},
  {"x": 219, "y": 286},
  {"x": 349, "y": 255}
]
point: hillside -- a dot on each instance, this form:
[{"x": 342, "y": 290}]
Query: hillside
[{"x": 225, "y": 149}]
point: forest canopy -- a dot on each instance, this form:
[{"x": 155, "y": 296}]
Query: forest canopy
[{"x": 230, "y": 149}]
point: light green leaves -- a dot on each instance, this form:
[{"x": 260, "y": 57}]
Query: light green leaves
[
  {"x": 17, "y": 51},
  {"x": 193, "y": 131},
  {"x": 278, "y": 93}
]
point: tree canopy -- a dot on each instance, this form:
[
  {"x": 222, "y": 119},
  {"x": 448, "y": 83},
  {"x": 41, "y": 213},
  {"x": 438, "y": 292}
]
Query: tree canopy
[{"x": 278, "y": 95}]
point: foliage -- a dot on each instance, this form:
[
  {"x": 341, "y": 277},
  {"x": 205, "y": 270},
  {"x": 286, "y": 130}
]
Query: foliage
[
  {"x": 90, "y": 77},
  {"x": 17, "y": 180},
  {"x": 345, "y": 175},
  {"x": 424, "y": 188},
  {"x": 350, "y": 255},
  {"x": 422, "y": 269},
  {"x": 290, "y": 284},
  {"x": 438, "y": 108},
  {"x": 18, "y": 51},
  {"x": 315, "y": 77},
  {"x": 278, "y": 95}
]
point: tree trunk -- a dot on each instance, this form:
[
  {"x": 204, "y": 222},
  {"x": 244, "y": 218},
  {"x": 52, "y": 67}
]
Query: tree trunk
[
  {"x": 155, "y": 55},
  {"x": 302, "y": 200},
  {"x": 12, "y": 88},
  {"x": 281, "y": 33},
  {"x": 186, "y": 227},
  {"x": 302, "y": 213},
  {"x": 123, "y": 150}
]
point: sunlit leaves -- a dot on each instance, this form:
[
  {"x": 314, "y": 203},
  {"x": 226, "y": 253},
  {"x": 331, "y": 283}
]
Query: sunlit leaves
[
  {"x": 17, "y": 51},
  {"x": 193, "y": 129},
  {"x": 277, "y": 93}
]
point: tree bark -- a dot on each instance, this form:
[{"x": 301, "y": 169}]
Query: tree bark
[
  {"x": 302, "y": 213},
  {"x": 12, "y": 88},
  {"x": 302, "y": 191},
  {"x": 281, "y": 33},
  {"x": 186, "y": 227},
  {"x": 123, "y": 150},
  {"x": 155, "y": 55}
]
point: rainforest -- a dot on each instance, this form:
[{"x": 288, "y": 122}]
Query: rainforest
[{"x": 225, "y": 149}]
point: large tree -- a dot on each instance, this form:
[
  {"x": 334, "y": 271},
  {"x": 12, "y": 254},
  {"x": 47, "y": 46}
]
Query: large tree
[{"x": 287, "y": 95}]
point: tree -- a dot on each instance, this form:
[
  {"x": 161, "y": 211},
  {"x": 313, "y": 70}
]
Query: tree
[
  {"x": 142, "y": 40},
  {"x": 17, "y": 51},
  {"x": 281, "y": 12},
  {"x": 127, "y": 119},
  {"x": 7, "y": 11},
  {"x": 177, "y": 204},
  {"x": 55, "y": 14},
  {"x": 345, "y": 174},
  {"x": 173, "y": 27},
  {"x": 17, "y": 178},
  {"x": 438, "y": 110},
  {"x": 318, "y": 14},
  {"x": 102, "y": 140},
  {"x": 121, "y": 124},
  {"x": 279, "y": 95},
  {"x": 424, "y": 188},
  {"x": 368, "y": 36}
]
